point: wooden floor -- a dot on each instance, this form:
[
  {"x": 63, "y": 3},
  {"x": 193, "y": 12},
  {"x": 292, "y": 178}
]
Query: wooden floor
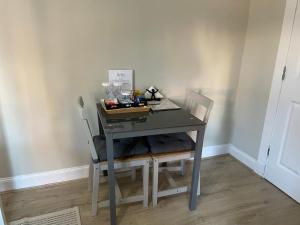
[{"x": 230, "y": 195}]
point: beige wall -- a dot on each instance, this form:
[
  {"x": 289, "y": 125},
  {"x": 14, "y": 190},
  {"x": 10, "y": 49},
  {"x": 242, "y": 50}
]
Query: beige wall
[
  {"x": 261, "y": 44},
  {"x": 53, "y": 51}
]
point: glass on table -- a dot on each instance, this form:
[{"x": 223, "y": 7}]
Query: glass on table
[{"x": 112, "y": 89}]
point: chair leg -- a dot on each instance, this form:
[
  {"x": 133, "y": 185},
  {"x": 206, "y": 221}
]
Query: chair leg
[
  {"x": 198, "y": 189},
  {"x": 182, "y": 165},
  {"x": 95, "y": 191},
  {"x": 133, "y": 174},
  {"x": 146, "y": 183},
  {"x": 155, "y": 182},
  {"x": 90, "y": 181}
]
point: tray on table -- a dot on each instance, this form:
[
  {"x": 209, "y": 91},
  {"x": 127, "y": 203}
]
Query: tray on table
[{"x": 139, "y": 109}]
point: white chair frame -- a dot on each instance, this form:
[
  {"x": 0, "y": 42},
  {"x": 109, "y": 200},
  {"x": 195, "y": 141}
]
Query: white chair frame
[
  {"x": 174, "y": 189},
  {"x": 96, "y": 166},
  {"x": 143, "y": 162},
  {"x": 193, "y": 100}
]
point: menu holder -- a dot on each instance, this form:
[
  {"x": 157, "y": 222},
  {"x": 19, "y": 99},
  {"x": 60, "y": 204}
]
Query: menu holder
[{"x": 164, "y": 104}]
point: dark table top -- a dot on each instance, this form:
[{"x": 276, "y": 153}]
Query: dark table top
[{"x": 150, "y": 121}]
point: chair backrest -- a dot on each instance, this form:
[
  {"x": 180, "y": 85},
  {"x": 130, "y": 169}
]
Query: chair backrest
[
  {"x": 84, "y": 116},
  {"x": 198, "y": 105}
]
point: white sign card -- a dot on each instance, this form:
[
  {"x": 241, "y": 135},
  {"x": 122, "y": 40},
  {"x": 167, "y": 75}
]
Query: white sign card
[{"x": 123, "y": 77}]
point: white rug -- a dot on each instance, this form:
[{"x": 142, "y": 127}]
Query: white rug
[{"x": 64, "y": 217}]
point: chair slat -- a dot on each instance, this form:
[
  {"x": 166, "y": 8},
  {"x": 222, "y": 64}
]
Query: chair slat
[
  {"x": 84, "y": 116},
  {"x": 198, "y": 105}
]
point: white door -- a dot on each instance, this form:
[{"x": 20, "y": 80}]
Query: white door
[
  {"x": 2, "y": 218},
  {"x": 283, "y": 167}
]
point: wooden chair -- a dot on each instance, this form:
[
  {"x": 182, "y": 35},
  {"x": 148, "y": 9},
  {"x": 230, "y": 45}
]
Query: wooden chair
[
  {"x": 129, "y": 153},
  {"x": 176, "y": 147}
]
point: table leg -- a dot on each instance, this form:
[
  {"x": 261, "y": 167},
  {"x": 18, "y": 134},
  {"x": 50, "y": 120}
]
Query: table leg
[
  {"x": 111, "y": 179},
  {"x": 101, "y": 131},
  {"x": 196, "y": 169}
]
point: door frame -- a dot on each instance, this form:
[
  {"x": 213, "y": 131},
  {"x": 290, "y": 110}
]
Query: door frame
[
  {"x": 283, "y": 49},
  {"x": 2, "y": 216}
]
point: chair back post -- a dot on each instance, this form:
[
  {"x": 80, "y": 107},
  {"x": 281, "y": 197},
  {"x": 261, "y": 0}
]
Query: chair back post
[
  {"x": 84, "y": 116},
  {"x": 194, "y": 100}
]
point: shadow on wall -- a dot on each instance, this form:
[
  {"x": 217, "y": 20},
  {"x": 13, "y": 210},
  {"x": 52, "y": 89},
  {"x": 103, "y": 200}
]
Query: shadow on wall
[
  {"x": 37, "y": 93},
  {"x": 4, "y": 159}
]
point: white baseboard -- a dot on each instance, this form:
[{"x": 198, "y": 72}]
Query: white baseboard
[
  {"x": 56, "y": 176},
  {"x": 246, "y": 159},
  {"x": 38, "y": 179},
  {"x": 215, "y": 150}
]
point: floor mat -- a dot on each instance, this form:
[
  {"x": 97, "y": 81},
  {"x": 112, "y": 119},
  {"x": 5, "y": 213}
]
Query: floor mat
[{"x": 64, "y": 217}]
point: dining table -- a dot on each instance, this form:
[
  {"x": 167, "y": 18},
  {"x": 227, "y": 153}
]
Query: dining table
[{"x": 146, "y": 124}]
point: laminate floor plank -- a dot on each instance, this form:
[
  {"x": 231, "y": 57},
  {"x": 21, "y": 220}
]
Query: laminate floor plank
[{"x": 231, "y": 194}]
